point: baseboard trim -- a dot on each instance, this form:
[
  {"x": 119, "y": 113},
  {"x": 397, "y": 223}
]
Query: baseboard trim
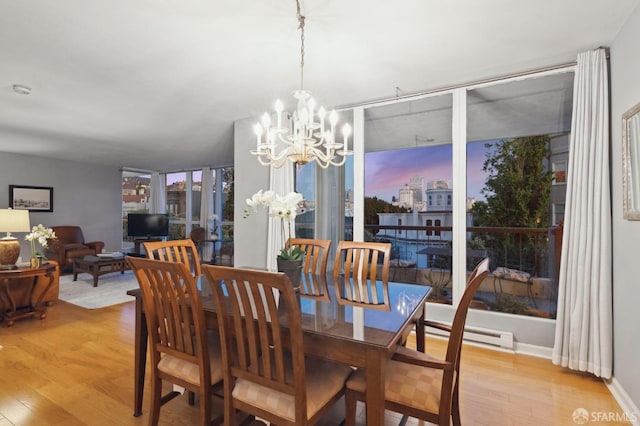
[
  {"x": 625, "y": 401},
  {"x": 533, "y": 350}
]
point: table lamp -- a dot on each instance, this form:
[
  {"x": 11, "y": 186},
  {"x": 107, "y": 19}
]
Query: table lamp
[{"x": 12, "y": 221}]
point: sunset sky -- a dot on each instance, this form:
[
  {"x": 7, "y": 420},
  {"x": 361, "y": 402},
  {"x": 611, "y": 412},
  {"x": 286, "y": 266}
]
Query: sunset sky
[{"x": 386, "y": 172}]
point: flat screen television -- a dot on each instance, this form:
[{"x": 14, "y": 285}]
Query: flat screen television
[{"x": 147, "y": 225}]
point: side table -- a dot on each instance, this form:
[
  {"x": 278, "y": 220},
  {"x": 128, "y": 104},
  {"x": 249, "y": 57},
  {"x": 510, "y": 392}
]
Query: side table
[{"x": 33, "y": 308}]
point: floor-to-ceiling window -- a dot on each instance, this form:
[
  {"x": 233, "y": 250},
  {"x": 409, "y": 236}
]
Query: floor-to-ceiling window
[
  {"x": 184, "y": 203},
  {"x": 429, "y": 170},
  {"x": 408, "y": 188},
  {"x": 517, "y": 150},
  {"x": 136, "y": 190}
]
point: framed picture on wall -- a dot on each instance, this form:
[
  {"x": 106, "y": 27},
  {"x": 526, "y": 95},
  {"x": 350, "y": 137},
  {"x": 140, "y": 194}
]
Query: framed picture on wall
[{"x": 32, "y": 198}]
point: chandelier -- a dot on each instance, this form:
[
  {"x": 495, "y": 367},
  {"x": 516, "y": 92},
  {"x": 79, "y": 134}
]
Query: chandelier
[{"x": 306, "y": 138}]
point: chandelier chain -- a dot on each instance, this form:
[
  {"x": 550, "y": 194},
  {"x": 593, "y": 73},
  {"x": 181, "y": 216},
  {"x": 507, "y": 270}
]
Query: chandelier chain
[{"x": 301, "y": 19}]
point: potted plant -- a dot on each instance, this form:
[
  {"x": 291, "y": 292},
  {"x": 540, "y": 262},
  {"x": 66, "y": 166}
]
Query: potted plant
[
  {"x": 42, "y": 235},
  {"x": 290, "y": 259}
]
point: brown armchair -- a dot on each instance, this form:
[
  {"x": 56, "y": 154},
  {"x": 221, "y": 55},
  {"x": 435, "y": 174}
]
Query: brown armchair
[{"x": 70, "y": 244}]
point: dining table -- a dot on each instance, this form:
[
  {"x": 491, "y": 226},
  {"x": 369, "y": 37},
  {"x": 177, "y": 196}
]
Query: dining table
[{"x": 334, "y": 328}]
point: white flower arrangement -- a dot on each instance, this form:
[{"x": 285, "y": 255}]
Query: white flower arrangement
[
  {"x": 283, "y": 207},
  {"x": 42, "y": 235}
]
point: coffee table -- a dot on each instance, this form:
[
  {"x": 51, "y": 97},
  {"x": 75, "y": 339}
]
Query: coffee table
[{"x": 97, "y": 266}]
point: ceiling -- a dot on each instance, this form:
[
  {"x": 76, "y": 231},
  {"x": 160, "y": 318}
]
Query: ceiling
[{"x": 157, "y": 84}]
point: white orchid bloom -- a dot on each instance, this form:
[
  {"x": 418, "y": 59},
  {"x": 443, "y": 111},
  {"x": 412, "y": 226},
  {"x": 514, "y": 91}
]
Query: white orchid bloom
[
  {"x": 42, "y": 235},
  {"x": 285, "y": 208}
]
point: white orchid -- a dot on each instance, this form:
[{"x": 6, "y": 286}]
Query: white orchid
[
  {"x": 285, "y": 208},
  {"x": 42, "y": 235}
]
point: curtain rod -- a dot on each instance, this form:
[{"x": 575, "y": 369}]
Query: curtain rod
[{"x": 468, "y": 84}]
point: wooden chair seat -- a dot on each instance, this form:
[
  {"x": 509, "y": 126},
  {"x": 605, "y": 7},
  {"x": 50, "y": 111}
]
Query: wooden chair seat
[
  {"x": 181, "y": 369},
  {"x": 400, "y": 386},
  {"x": 324, "y": 380}
]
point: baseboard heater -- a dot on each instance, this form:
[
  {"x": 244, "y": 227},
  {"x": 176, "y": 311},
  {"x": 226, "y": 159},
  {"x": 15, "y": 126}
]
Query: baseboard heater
[{"x": 501, "y": 339}]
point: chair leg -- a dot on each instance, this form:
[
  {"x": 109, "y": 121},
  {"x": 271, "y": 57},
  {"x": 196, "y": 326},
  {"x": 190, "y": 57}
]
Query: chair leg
[
  {"x": 205, "y": 409},
  {"x": 455, "y": 406},
  {"x": 156, "y": 401},
  {"x": 350, "y": 402}
]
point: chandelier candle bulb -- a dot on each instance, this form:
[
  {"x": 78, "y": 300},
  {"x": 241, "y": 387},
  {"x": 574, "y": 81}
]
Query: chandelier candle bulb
[
  {"x": 258, "y": 129},
  {"x": 346, "y": 131}
]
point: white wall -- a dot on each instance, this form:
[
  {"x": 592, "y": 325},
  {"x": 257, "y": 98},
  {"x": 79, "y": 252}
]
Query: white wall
[
  {"x": 625, "y": 92},
  {"x": 250, "y": 234},
  {"x": 84, "y": 194}
]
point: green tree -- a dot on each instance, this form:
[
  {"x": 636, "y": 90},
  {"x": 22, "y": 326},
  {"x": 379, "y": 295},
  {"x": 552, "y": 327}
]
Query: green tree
[
  {"x": 517, "y": 192},
  {"x": 373, "y": 206},
  {"x": 228, "y": 186},
  {"x": 518, "y": 188}
]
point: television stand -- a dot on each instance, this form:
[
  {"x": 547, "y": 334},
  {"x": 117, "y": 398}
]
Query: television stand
[{"x": 138, "y": 241}]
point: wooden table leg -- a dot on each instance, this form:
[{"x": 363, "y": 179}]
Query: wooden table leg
[
  {"x": 140, "y": 358},
  {"x": 420, "y": 330},
  {"x": 12, "y": 310},
  {"x": 95, "y": 271},
  {"x": 376, "y": 362}
]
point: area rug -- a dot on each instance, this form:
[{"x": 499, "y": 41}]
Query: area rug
[{"x": 112, "y": 289}]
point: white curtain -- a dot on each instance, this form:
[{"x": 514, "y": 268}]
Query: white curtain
[
  {"x": 583, "y": 339},
  {"x": 281, "y": 181},
  {"x": 158, "y": 201},
  {"x": 206, "y": 208}
]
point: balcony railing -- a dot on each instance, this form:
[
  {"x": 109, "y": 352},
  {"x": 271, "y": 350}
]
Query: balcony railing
[{"x": 532, "y": 250}]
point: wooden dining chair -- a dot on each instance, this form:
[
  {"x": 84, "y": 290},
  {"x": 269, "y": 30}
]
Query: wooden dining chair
[
  {"x": 181, "y": 350},
  {"x": 316, "y": 254},
  {"x": 420, "y": 385},
  {"x": 266, "y": 373},
  {"x": 365, "y": 268},
  {"x": 182, "y": 251}
]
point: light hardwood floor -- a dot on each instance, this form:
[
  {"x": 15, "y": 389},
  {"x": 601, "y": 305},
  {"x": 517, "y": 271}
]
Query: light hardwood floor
[{"x": 76, "y": 367}]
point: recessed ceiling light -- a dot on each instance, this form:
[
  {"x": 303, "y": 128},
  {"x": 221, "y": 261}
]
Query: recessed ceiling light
[{"x": 21, "y": 89}]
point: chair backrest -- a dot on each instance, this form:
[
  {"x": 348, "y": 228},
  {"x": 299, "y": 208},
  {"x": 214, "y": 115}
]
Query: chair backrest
[
  {"x": 181, "y": 251},
  {"x": 314, "y": 286},
  {"x": 360, "y": 263},
  {"x": 68, "y": 234},
  {"x": 454, "y": 346},
  {"x": 252, "y": 306},
  {"x": 316, "y": 254},
  {"x": 173, "y": 309}
]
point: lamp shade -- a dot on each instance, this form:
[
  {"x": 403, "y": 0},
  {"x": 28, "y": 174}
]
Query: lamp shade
[{"x": 12, "y": 221}]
